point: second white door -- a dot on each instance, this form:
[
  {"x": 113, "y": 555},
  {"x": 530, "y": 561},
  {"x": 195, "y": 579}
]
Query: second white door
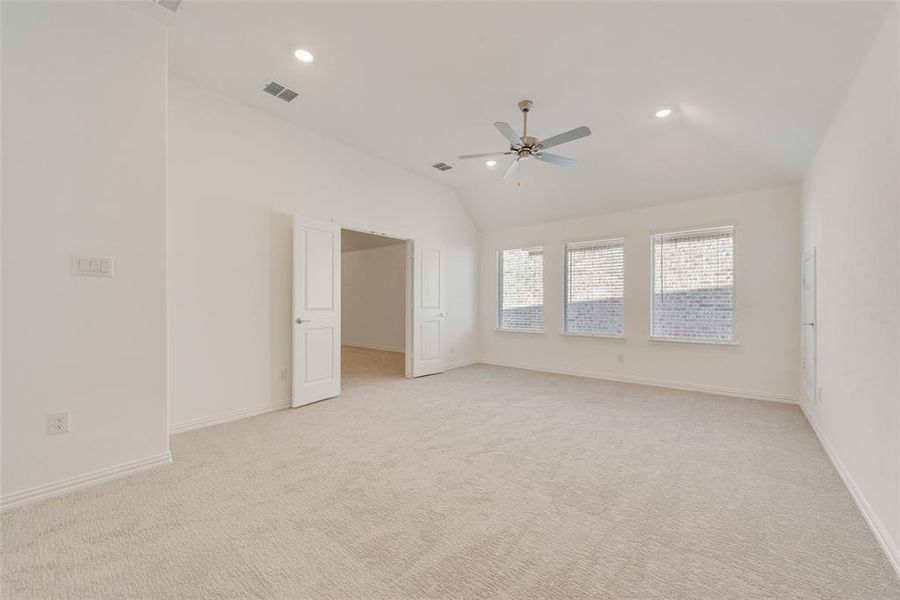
[
  {"x": 428, "y": 311},
  {"x": 317, "y": 311}
]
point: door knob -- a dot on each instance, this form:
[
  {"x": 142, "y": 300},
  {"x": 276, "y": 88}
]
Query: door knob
[
  {"x": 441, "y": 315},
  {"x": 302, "y": 320}
]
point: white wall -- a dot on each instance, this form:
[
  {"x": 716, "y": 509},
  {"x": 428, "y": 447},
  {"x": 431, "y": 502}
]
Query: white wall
[
  {"x": 851, "y": 196},
  {"x": 373, "y": 295},
  {"x": 236, "y": 176},
  {"x": 84, "y": 172},
  {"x": 765, "y": 362}
]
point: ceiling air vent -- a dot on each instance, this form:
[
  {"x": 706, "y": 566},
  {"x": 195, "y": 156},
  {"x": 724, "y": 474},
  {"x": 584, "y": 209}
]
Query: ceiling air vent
[
  {"x": 441, "y": 166},
  {"x": 279, "y": 91},
  {"x": 169, "y": 4}
]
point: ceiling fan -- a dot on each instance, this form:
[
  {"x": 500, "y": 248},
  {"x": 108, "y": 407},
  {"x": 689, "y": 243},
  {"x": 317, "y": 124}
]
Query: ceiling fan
[{"x": 526, "y": 147}]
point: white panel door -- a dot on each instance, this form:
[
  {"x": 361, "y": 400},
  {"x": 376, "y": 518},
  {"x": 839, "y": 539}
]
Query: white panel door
[
  {"x": 429, "y": 327},
  {"x": 809, "y": 325},
  {"x": 317, "y": 311}
]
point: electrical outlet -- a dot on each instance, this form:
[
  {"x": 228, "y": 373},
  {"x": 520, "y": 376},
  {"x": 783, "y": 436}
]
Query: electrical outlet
[
  {"x": 58, "y": 423},
  {"x": 452, "y": 350},
  {"x": 283, "y": 374},
  {"x": 620, "y": 357}
]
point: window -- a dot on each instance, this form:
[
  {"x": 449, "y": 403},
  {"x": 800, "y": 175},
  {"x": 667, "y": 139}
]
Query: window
[
  {"x": 693, "y": 285},
  {"x": 595, "y": 282},
  {"x": 521, "y": 297}
]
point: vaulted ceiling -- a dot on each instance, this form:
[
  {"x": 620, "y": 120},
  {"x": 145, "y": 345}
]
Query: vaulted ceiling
[{"x": 753, "y": 87}]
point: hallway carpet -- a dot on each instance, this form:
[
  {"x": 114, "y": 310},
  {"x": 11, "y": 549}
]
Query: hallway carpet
[{"x": 480, "y": 482}]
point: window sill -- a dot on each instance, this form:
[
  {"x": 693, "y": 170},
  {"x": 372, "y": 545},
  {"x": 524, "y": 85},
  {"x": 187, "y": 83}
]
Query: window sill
[
  {"x": 602, "y": 336},
  {"x": 531, "y": 331},
  {"x": 689, "y": 341}
]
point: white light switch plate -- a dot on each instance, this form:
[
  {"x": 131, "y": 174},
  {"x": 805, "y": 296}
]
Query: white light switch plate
[{"x": 92, "y": 266}]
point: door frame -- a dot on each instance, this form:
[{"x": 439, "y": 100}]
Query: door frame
[
  {"x": 409, "y": 264},
  {"x": 810, "y": 321}
]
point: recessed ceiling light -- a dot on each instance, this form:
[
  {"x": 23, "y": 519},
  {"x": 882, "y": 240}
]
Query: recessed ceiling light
[
  {"x": 663, "y": 113},
  {"x": 491, "y": 163},
  {"x": 303, "y": 55}
]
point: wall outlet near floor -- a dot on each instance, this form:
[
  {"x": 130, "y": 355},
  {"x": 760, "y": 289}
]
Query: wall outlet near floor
[
  {"x": 58, "y": 422},
  {"x": 283, "y": 374},
  {"x": 452, "y": 350},
  {"x": 620, "y": 357}
]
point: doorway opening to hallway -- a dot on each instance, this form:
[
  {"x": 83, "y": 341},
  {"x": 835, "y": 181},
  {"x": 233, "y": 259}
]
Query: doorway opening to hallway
[{"x": 373, "y": 308}]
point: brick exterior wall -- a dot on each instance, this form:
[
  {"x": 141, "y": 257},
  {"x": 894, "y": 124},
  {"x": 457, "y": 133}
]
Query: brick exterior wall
[
  {"x": 527, "y": 318},
  {"x": 599, "y": 317},
  {"x": 595, "y": 285},
  {"x": 522, "y": 289},
  {"x": 693, "y": 286}
]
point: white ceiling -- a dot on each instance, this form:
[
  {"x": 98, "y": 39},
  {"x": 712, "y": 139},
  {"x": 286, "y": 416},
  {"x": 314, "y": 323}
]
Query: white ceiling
[
  {"x": 754, "y": 86},
  {"x": 351, "y": 241}
]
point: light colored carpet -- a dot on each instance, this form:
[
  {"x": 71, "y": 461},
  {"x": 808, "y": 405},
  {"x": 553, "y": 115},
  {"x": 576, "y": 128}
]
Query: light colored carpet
[{"x": 481, "y": 482}]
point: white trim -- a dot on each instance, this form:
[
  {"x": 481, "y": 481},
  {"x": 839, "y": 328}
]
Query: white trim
[
  {"x": 64, "y": 486},
  {"x": 234, "y": 415},
  {"x": 373, "y": 347},
  {"x": 602, "y": 336},
  {"x": 362, "y": 229},
  {"x": 510, "y": 330},
  {"x": 888, "y": 545},
  {"x": 666, "y": 340},
  {"x": 674, "y": 385},
  {"x": 461, "y": 364}
]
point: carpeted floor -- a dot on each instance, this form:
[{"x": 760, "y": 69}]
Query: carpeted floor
[{"x": 480, "y": 482}]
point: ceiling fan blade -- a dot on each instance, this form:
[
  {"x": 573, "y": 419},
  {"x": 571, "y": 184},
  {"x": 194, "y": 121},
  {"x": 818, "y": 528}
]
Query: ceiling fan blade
[
  {"x": 512, "y": 170},
  {"x": 486, "y": 155},
  {"x": 556, "y": 159},
  {"x": 508, "y": 132},
  {"x": 562, "y": 138}
]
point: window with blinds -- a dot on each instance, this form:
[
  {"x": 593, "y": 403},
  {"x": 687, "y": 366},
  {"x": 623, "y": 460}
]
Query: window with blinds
[
  {"x": 594, "y": 289},
  {"x": 693, "y": 285},
  {"x": 521, "y": 289}
]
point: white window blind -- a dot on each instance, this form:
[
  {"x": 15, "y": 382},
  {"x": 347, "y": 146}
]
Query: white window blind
[
  {"x": 521, "y": 283},
  {"x": 595, "y": 284},
  {"x": 693, "y": 285}
]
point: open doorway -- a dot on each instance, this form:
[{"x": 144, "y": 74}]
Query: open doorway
[
  {"x": 373, "y": 308},
  {"x": 385, "y": 302}
]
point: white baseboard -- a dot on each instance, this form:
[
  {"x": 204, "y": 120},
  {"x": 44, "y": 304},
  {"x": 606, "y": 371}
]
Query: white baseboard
[
  {"x": 887, "y": 543},
  {"x": 73, "y": 483},
  {"x": 373, "y": 347},
  {"x": 674, "y": 385},
  {"x": 234, "y": 415},
  {"x": 460, "y": 364}
]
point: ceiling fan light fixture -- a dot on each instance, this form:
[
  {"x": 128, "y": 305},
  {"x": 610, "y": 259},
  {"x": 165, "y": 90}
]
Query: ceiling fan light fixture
[
  {"x": 526, "y": 147},
  {"x": 304, "y": 55},
  {"x": 663, "y": 113}
]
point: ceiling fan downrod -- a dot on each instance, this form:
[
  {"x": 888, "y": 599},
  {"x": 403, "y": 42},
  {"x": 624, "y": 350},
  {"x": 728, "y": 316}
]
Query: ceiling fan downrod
[{"x": 525, "y": 107}]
